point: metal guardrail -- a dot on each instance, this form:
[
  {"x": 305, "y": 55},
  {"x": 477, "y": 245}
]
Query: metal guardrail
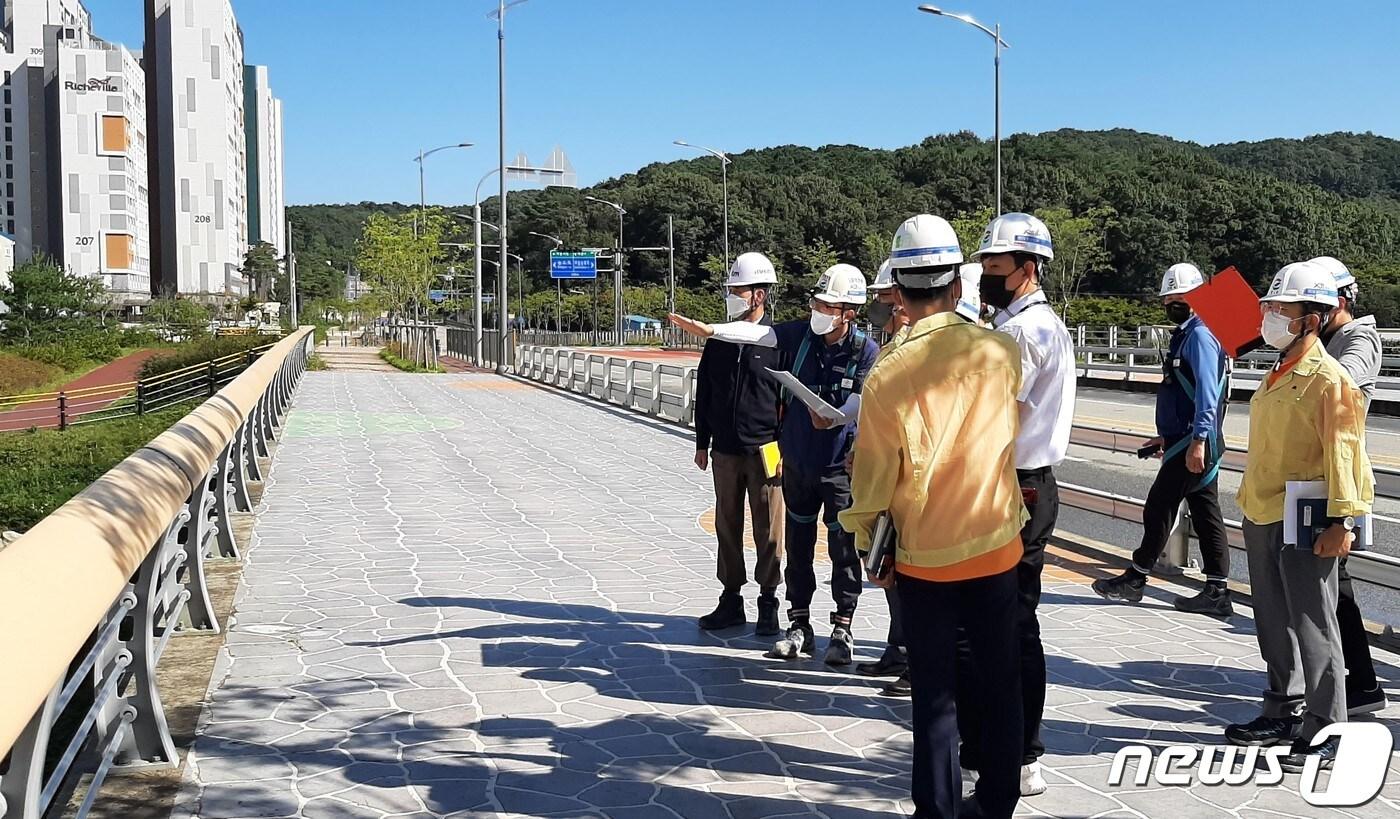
[
  {"x": 93, "y": 594},
  {"x": 639, "y": 385},
  {"x": 66, "y": 408}
]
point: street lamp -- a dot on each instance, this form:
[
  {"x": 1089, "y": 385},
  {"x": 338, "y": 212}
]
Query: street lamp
[
  {"x": 558, "y": 287},
  {"x": 617, "y": 269},
  {"x": 724, "y": 181},
  {"x": 422, "y": 184},
  {"x": 999, "y": 44}
]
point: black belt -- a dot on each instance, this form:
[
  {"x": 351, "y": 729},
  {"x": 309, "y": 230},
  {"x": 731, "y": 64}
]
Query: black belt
[{"x": 1038, "y": 472}]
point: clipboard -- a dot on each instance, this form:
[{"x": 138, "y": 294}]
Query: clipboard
[
  {"x": 1229, "y": 307},
  {"x": 1305, "y": 517},
  {"x": 813, "y": 401},
  {"x": 882, "y": 544}
]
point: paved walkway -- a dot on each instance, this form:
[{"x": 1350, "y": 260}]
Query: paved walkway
[
  {"x": 468, "y": 596},
  {"x": 44, "y": 414}
]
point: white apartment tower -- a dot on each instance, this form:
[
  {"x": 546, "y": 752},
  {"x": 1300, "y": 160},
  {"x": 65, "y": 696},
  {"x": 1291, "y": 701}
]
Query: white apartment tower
[
  {"x": 267, "y": 207},
  {"x": 24, "y": 207},
  {"x": 98, "y": 222},
  {"x": 199, "y": 199}
]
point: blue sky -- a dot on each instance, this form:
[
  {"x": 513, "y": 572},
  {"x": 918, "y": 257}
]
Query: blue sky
[{"x": 366, "y": 83}]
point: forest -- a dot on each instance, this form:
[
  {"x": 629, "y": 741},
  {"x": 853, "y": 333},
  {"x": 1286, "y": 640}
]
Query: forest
[{"x": 1122, "y": 206}]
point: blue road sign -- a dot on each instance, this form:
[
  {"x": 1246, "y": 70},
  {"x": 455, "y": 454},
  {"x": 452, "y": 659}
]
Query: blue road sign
[
  {"x": 565, "y": 265},
  {"x": 437, "y": 296}
]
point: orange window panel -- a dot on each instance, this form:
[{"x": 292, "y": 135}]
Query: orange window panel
[
  {"x": 118, "y": 251},
  {"x": 113, "y": 134}
]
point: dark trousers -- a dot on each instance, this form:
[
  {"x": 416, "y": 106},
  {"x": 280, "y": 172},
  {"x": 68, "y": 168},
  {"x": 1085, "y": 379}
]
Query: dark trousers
[
  {"x": 1356, "y": 646},
  {"x": 895, "y": 637},
  {"x": 1042, "y": 498},
  {"x": 1174, "y": 484},
  {"x": 809, "y": 497},
  {"x": 984, "y": 614},
  {"x": 740, "y": 478}
]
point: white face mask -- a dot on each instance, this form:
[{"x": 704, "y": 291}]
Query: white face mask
[
  {"x": 1276, "y": 332},
  {"x": 736, "y": 306},
  {"x": 821, "y": 323}
]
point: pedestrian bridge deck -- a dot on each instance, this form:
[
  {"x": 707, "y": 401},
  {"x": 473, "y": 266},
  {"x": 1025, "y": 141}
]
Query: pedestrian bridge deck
[{"x": 469, "y": 596}]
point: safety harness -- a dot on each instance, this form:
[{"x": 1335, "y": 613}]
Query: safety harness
[
  {"x": 1214, "y": 454},
  {"x": 856, "y": 341}
]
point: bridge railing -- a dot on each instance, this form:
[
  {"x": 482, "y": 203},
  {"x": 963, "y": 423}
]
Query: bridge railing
[
  {"x": 667, "y": 391},
  {"x": 91, "y": 596}
]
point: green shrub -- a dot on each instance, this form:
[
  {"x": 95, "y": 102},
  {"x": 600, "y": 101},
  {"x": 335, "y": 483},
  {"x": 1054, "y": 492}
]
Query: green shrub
[
  {"x": 76, "y": 349},
  {"x": 41, "y": 469},
  {"x": 316, "y": 364},
  {"x": 200, "y": 351},
  {"x": 20, "y": 375},
  {"x": 395, "y": 353},
  {"x": 1111, "y": 312}
]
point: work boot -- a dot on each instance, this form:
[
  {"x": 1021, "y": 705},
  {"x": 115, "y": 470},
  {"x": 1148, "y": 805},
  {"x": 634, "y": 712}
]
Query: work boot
[
  {"x": 838, "y": 648},
  {"x": 891, "y": 664},
  {"x": 901, "y": 687},
  {"x": 767, "y": 616},
  {"x": 799, "y": 639},
  {"x": 1127, "y": 587},
  {"x": 729, "y": 612},
  {"x": 1213, "y": 600}
]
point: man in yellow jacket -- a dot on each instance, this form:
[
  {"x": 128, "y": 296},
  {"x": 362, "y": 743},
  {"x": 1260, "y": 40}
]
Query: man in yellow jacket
[
  {"x": 1307, "y": 422},
  {"x": 937, "y": 452}
]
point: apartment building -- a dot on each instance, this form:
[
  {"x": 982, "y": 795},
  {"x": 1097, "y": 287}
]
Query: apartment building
[
  {"x": 195, "y": 103},
  {"x": 267, "y": 207},
  {"x": 98, "y": 183}
]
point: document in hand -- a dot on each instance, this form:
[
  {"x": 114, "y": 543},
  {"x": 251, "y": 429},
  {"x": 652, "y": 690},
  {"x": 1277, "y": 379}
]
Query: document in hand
[
  {"x": 1305, "y": 516},
  {"x": 813, "y": 401},
  {"x": 881, "y": 546}
]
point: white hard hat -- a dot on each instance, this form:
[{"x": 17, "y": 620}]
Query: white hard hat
[
  {"x": 1017, "y": 233},
  {"x": 884, "y": 279},
  {"x": 841, "y": 284},
  {"x": 1303, "y": 282},
  {"x": 970, "y": 305},
  {"x": 1180, "y": 278},
  {"x": 750, "y": 269},
  {"x": 1339, "y": 271},
  {"x": 925, "y": 241}
]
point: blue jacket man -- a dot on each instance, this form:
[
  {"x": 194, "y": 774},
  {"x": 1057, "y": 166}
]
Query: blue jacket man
[
  {"x": 831, "y": 357},
  {"x": 1190, "y": 441}
]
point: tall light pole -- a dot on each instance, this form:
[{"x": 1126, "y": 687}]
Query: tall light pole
[
  {"x": 422, "y": 223},
  {"x": 724, "y": 181},
  {"x": 618, "y": 330},
  {"x": 999, "y": 45},
  {"x": 558, "y": 286}
]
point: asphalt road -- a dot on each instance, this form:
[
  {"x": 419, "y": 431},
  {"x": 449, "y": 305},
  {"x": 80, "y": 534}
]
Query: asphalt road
[{"x": 1125, "y": 474}]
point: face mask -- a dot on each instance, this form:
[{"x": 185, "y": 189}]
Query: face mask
[
  {"x": 736, "y": 306},
  {"x": 821, "y": 323},
  {"x": 1275, "y": 331},
  {"x": 1178, "y": 312},
  {"x": 881, "y": 314},
  {"x": 994, "y": 291}
]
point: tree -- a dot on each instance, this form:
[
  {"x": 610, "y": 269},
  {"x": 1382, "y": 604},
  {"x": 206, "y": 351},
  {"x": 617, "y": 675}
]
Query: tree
[
  {"x": 45, "y": 299},
  {"x": 187, "y": 316},
  {"x": 1080, "y": 250},
  {"x": 401, "y": 255},
  {"x": 260, "y": 267}
]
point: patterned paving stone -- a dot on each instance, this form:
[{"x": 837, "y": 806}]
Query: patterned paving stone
[{"x": 467, "y": 597}]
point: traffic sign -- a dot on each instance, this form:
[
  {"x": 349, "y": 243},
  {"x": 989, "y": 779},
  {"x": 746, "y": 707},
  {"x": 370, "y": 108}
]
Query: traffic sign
[{"x": 566, "y": 265}]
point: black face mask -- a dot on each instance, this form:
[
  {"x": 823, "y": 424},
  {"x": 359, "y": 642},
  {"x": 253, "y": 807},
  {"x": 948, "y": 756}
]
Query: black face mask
[
  {"x": 1178, "y": 312},
  {"x": 880, "y": 314},
  {"x": 994, "y": 292}
]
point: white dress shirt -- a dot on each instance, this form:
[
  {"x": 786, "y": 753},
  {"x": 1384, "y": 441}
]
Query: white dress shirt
[{"x": 1046, "y": 400}]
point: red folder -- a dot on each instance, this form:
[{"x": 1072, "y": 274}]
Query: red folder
[{"x": 1230, "y": 308}]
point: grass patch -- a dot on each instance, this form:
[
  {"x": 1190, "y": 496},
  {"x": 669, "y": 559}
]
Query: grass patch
[
  {"x": 40, "y": 470},
  {"x": 393, "y": 354}
]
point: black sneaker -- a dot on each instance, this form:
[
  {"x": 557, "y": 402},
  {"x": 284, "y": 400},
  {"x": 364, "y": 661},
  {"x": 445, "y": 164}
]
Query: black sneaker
[
  {"x": 1213, "y": 601},
  {"x": 767, "y": 616},
  {"x": 1127, "y": 587},
  {"x": 1300, "y": 751},
  {"x": 729, "y": 613},
  {"x": 891, "y": 664},
  {"x": 1365, "y": 701},
  {"x": 901, "y": 687},
  {"x": 840, "y": 647},
  {"x": 1265, "y": 731}
]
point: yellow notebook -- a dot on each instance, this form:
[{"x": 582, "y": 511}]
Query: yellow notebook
[{"x": 772, "y": 459}]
